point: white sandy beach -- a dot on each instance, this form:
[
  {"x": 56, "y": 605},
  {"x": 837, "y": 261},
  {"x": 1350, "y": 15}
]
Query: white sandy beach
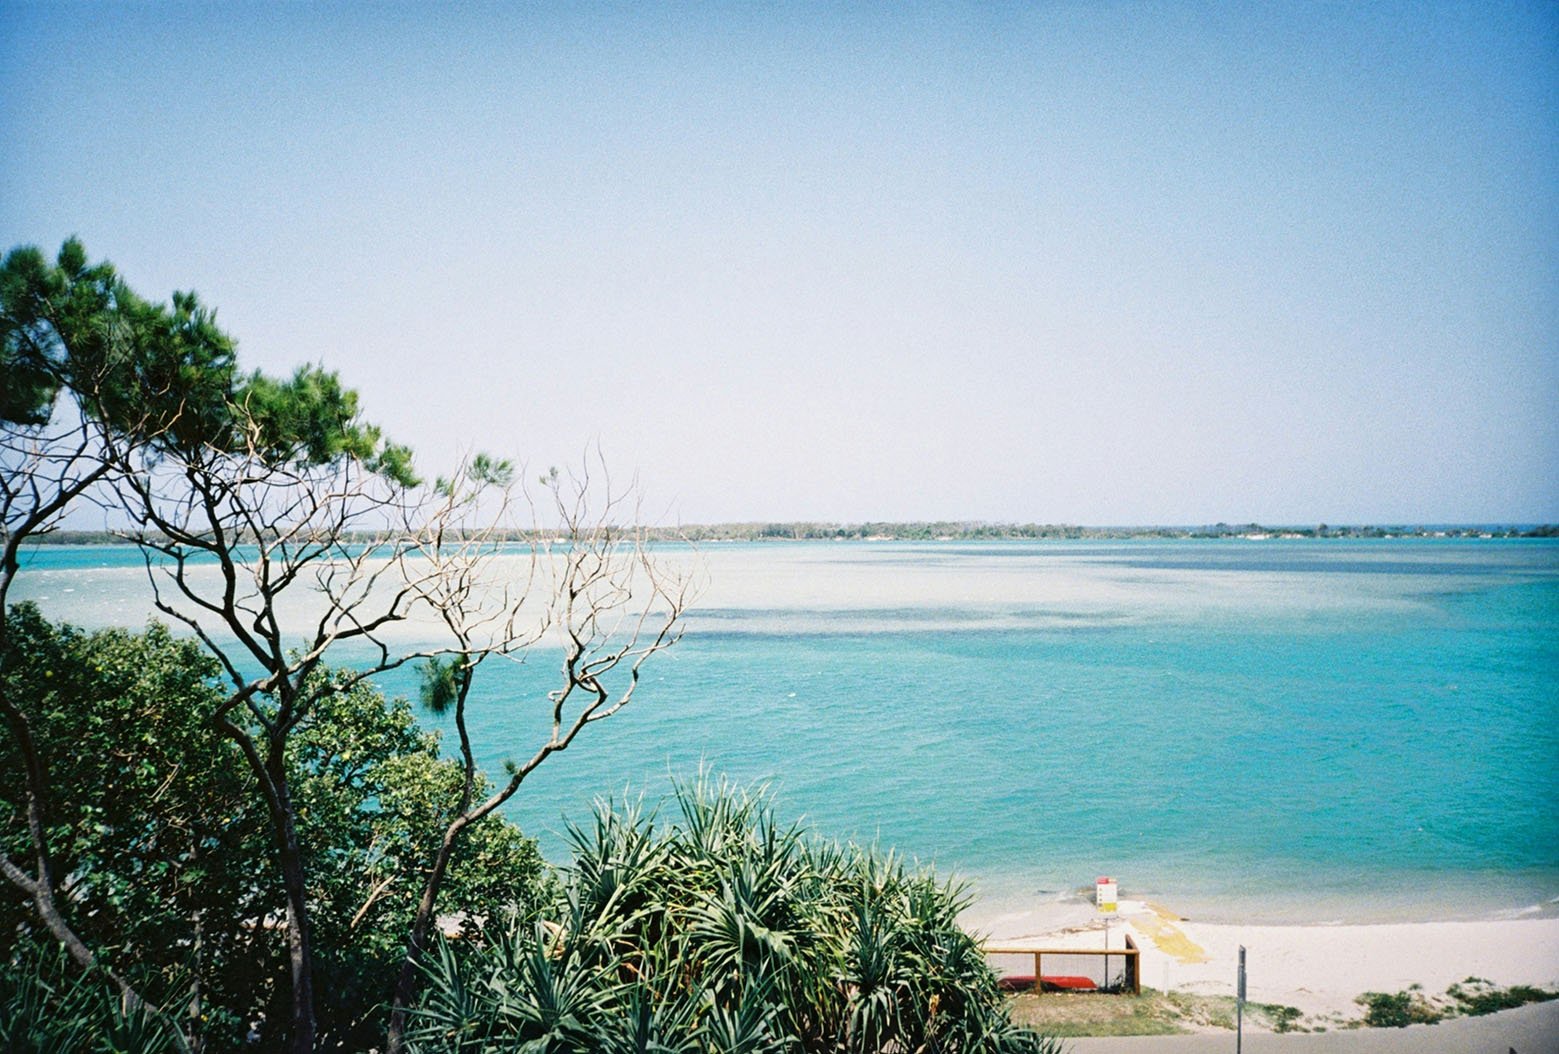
[
  {"x": 1319, "y": 969},
  {"x": 1322, "y": 969}
]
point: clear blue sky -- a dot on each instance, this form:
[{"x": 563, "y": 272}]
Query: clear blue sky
[{"x": 1092, "y": 263}]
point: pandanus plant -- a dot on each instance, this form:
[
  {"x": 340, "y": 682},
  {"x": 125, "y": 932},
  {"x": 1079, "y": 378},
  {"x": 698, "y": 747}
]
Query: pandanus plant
[
  {"x": 723, "y": 931},
  {"x": 46, "y": 1007}
]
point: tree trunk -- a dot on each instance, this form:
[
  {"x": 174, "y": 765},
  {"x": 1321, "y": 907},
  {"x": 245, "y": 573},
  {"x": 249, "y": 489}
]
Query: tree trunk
[
  {"x": 406, "y": 983},
  {"x": 40, "y": 887},
  {"x": 299, "y": 950},
  {"x": 197, "y": 1006}
]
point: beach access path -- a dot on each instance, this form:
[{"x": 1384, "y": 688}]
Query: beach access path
[{"x": 1532, "y": 1029}]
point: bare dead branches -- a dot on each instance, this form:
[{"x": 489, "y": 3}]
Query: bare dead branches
[
  {"x": 609, "y": 604},
  {"x": 43, "y": 471},
  {"x": 281, "y": 568},
  {"x": 304, "y": 578}
]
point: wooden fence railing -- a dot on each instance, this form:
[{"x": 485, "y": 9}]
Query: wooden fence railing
[{"x": 1131, "y": 954}]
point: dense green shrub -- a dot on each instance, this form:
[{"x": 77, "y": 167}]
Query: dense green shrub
[
  {"x": 1398, "y": 1009},
  {"x": 1476, "y": 996},
  {"x": 722, "y": 931},
  {"x": 169, "y": 857},
  {"x": 1473, "y": 997}
]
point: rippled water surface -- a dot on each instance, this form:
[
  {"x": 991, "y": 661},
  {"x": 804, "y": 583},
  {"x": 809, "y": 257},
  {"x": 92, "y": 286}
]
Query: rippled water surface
[{"x": 1291, "y": 729}]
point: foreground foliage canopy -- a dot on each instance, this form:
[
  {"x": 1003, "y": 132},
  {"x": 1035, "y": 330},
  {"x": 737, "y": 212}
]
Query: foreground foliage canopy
[
  {"x": 722, "y": 931},
  {"x": 168, "y": 850}
]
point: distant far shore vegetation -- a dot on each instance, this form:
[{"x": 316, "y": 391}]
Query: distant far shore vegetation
[{"x": 966, "y": 531}]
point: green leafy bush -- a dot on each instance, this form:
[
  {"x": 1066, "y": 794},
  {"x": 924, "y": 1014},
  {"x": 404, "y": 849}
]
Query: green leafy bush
[
  {"x": 154, "y": 818},
  {"x": 1398, "y": 1009},
  {"x": 1284, "y": 1018},
  {"x": 1476, "y": 996}
]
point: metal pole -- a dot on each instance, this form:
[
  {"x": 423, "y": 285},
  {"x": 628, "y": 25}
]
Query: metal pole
[{"x": 1239, "y": 1006}]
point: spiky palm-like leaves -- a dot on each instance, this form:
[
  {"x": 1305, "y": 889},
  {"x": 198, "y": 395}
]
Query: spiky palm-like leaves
[
  {"x": 723, "y": 931},
  {"x": 528, "y": 988},
  {"x": 48, "y": 1007}
]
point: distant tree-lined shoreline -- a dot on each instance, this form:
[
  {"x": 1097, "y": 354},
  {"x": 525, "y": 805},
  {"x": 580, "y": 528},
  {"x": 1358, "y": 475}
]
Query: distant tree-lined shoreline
[{"x": 970, "y": 530}]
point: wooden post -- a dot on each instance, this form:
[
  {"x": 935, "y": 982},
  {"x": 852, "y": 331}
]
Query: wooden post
[{"x": 1039, "y": 984}]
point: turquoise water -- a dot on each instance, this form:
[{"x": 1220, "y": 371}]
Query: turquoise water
[{"x": 1291, "y": 730}]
